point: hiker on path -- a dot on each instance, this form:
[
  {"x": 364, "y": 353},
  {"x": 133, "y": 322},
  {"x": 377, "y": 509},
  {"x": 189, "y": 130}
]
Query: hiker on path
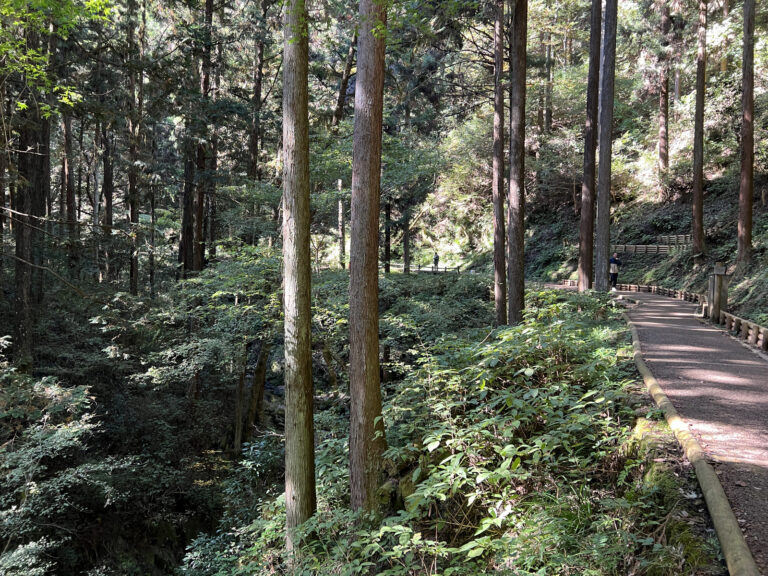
[
  {"x": 614, "y": 264},
  {"x": 435, "y": 261}
]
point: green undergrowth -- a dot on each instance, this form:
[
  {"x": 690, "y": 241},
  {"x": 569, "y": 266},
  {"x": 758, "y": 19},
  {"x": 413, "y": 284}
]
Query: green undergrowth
[{"x": 510, "y": 452}]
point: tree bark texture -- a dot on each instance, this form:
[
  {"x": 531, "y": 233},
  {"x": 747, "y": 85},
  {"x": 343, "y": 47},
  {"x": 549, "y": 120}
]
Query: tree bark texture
[
  {"x": 698, "y": 136},
  {"x": 341, "y": 229},
  {"x": 549, "y": 86},
  {"x": 254, "y": 145},
  {"x": 587, "y": 222},
  {"x": 607, "y": 77},
  {"x": 516, "y": 200},
  {"x": 300, "y": 497},
  {"x": 367, "y": 441},
  {"x": 203, "y": 148},
  {"x": 664, "y": 96},
  {"x": 387, "y": 237},
  {"x": 499, "y": 233},
  {"x": 746, "y": 180}
]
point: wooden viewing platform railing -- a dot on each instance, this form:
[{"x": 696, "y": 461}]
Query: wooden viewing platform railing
[{"x": 676, "y": 240}]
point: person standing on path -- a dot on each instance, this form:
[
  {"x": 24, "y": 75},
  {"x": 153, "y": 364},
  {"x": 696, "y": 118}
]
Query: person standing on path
[
  {"x": 614, "y": 264},
  {"x": 435, "y": 262}
]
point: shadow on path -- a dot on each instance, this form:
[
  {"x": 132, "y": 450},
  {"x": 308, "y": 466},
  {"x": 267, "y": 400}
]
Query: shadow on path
[{"x": 720, "y": 388}]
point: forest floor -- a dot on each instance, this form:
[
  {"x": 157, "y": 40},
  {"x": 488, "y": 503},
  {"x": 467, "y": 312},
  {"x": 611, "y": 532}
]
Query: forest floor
[{"x": 719, "y": 387}]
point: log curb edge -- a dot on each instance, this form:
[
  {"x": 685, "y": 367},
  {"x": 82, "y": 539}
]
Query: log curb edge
[{"x": 738, "y": 557}]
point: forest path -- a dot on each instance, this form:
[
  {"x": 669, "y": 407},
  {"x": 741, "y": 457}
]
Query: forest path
[{"x": 720, "y": 389}]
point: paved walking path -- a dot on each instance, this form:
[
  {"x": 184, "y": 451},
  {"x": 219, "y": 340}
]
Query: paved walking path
[{"x": 720, "y": 388}]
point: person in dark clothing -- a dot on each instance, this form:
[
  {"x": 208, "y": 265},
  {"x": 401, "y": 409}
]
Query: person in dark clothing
[
  {"x": 435, "y": 261},
  {"x": 613, "y": 269}
]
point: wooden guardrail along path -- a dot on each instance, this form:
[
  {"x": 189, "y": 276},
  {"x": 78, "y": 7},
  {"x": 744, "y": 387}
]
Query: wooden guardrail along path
[
  {"x": 750, "y": 332},
  {"x": 418, "y": 268}
]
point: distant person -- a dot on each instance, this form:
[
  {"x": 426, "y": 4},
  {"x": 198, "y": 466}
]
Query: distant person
[
  {"x": 614, "y": 264},
  {"x": 435, "y": 262}
]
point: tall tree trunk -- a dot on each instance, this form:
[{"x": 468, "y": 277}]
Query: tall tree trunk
[
  {"x": 187, "y": 237},
  {"x": 342, "y": 238},
  {"x": 256, "y": 402},
  {"x": 549, "y": 86},
  {"x": 254, "y": 135},
  {"x": 499, "y": 258},
  {"x": 107, "y": 191},
  {"x": 212, "y": 235},
  {"x": 367, "y": 441},
  {"x": 407, "y": 240},
  {"x": 664, "y": 96},
  {"x": 698, "y": 137},
  {"x": 198, "y": 252},
  {"x": 746, "y": 180},
  {"x": 300, "y": 499},
  {"x": 79, "y": 187},
  {"x": 726, "y": 39},
  {"x": 587, "y": 222},
  {"x": 516, "y": 201},
  {"x": 68, "y": 188},
  {"x": 338, "y": 112},
  {"x": 30, "y": 205},
  {"x": 603, "y": 218},
  {"x": 5, "y": 148},
  {"x": 387, "y": 237}
]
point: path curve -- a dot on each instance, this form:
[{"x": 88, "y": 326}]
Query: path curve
[{"x": 720, "y": 389}]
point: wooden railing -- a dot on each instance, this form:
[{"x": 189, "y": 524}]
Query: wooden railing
[
  {"x": 677, "y": 239},
  {"x": 418, "y": 268},
  {"x": 642, "y": 248},
  {"x": 750, "y": 332}
]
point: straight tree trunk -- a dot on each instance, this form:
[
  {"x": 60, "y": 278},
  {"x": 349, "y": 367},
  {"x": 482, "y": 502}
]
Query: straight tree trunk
[
  {"x": 407, "y": 240},
  {"x": 387, "y": 237},
  {"x": 203, "y": 150},
  {"x": 68, "y": 188},
  {"x": 254, "y": 170},
  {"x": 338, "y": 112},
  {"x": 256, "y": 402},
  {"x": 499, "y": 258},
  {"x": 516, "y": 201},
  {"x": 367, "y": 441},
  {"x": 187, "y": 209},
  {"x": 107, "y": 191},
  {"x": 300, "y": 498},
  {"x": 587, "y": 223},
  {"x": 607, "y": 76},
  {"x": 726, "y": 40},
  {"x": 664, "y": 96},
  {"x": 746, "y": 180},
  {"x": 549, "y": 86},
  {"x": 342, "y": 239},
  {"x": 698, "y": 137}
]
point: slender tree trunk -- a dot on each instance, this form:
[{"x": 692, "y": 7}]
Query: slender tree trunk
[
  {"x": 387, "y": 237},
  {"x": 198, "y": 252},
  {"x": 726, "y": 40},
  {"x": 549, "y": 86},
  {"x": 603, "y": 218},
  {"x": 187, "y": 209},
  {"x": 4, "y": 164},
  {"x": 516, "y": 201},
  {"x": 338, "y": 112},
  {"x": 79, "y": 187},
  {"x": 68, "y": 188},
  {"x": 300, "y": 499},
  {"x": 499, "y": 258},
  {"x": 746, "y": 180},
  {"x": 407, "y": 240},
  {"x": 367, "y": 441},
  {"x": 213, "y": 167},
  {"x": 152, "y": 227},
  {"x": 254, "y": 170},
  {"x": 107, "y": 192},
  {"x": 698, "y": 137},
  {"x": 664, "y": 97},
  {"x": 135, "y": 104},
  {"x": 342, "y": 239},
  {"x": 587, "y": 223}
]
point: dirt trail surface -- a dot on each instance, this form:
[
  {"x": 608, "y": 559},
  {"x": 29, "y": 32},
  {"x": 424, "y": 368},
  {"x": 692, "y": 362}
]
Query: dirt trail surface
[{"x": 720, "y": 389}]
